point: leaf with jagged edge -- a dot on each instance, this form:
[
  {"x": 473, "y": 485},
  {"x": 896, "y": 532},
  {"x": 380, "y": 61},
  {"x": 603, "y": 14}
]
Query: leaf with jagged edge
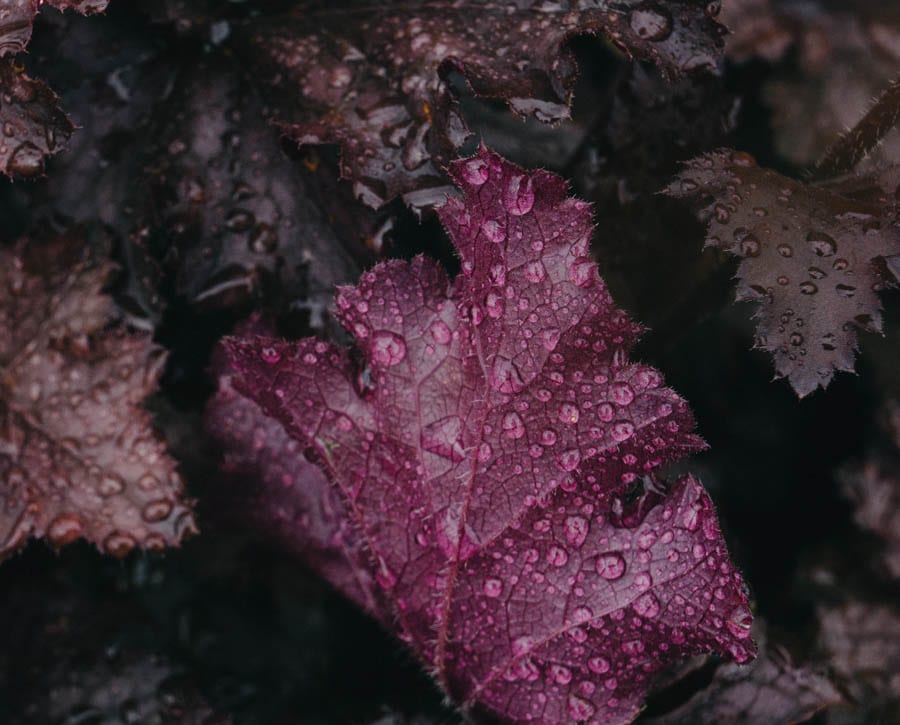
[
  {"x": 495, "y": 448},
  {"x": 78, "y": 456},
  {"x": 812, "y": 260},
  {"x": 374, "y": 78}
]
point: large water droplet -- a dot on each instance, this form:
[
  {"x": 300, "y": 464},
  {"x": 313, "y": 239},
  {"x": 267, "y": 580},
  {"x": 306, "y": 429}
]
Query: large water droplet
[
  {"x": 493, "y": 230},
  {"x": 643, "y": 581},
  {"x": 118, "y": 544},
  {"x": 475, "y": 171},
  {"x": 387, "y": 348},
  {"x": 156, "y": 510},
  {"x": 443, "y": 438},
  {"x": 505, "y": 376},
  {"x": 739, "y": 621},
  {"x": 64, "y": 529},
  {"x": 535, "y": 272},
  {"x": 808, "y": 288},
  {"x": 821, "y": 243},
  {"x": 569, "y": 460},
  {"x": 557, "y": 556},
  {"x": 26, "y": 160},
  {"x": 611, "y": 566},
  {"x": 647, "y": 605},
  {"x": 440, "y": 332},
  {"x": 621, "y": 394},
  {"x": 622, "y": 431}
]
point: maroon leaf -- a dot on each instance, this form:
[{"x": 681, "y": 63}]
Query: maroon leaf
[
  {"x": 813, "y": 260},
  {"x": 491, "y": 453},
  {"x": 377, "y": 82},
  {"x": 874, "y": 488},
  {"x": 78, "y": 456},
  {"x": 273, "y": 484}
]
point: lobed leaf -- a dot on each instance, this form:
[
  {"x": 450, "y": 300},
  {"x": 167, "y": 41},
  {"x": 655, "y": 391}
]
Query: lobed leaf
[
  {"x": 78, "y": 456},
  {"x": 812, "y": 259},
  {"x": 496, "y": 452}
]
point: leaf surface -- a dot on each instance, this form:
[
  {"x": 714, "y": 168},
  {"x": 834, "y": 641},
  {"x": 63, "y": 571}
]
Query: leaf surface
[
  {"x": 495, "y": 449},
  {"x": 78, "y": 456},
  {"x": 375, "y": 77},
  {"x": 813, "y": 259}
]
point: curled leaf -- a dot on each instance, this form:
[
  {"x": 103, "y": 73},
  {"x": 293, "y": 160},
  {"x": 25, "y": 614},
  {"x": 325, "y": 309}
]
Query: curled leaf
[{"x": 377, "y": 81}]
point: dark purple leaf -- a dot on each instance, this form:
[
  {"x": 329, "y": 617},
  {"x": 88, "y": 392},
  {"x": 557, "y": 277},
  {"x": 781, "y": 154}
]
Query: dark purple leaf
[
  {"x": 491, "y": 451},
  {"x": 812, "y": 260},
  {"x": 375, "y": 78},
  {"x": 78, "y": 455}
]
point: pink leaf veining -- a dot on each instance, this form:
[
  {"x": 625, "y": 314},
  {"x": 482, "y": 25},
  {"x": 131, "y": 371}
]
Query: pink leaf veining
[{"x": 490, "y": 451}]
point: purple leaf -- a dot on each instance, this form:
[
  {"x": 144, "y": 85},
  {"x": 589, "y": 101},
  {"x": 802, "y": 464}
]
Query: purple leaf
[
  {"x": 491, "y": 450},
  {"x": 377, "y": 81}
]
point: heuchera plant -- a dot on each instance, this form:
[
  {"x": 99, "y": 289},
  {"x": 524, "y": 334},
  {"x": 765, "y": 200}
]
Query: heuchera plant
[{"x": 495, "y": 451}]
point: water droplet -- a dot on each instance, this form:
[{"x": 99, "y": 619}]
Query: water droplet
[
  {"x": 493, "y": 230},
  {"x": 270, "y": 355},
  {"x": 156, "y": 510},
  {"x": 739, "y": 621},
  {"x": 550, "y": 339},
  {"x": 569, "y": 460},
  {"x": 64, "y": 529},
  {"x": 26, "y": 160},
  {"x": 387, "y": 348},
  {"x": 582, "y": 272},
  {"x": 611, "y": 566},
  {"x": 621, "y": 394},
  {"x": 598, "y": 665},
  {"x": 568, "y": 413},
  {"x": 721, "y": 213},
  {"x": 796, "y": 339},
  {"x": 493, "y": 588},
  {"x": 263, "y": 239},
  {"x": 384, "y": 576},
  {"x": 845, "y": 290},
  {"x": 646, "y": 605},
  {"x": 651, "y": 22},
  {"x": 840, "y": 264},
  {"x": 440, "y": 332},
  {"x": 579, "y": 709},
  {"x": 821, "y": 243},
  {"x": 475, "y": 171},
  {"x": 518, "y": 196},
  {"x": 110, "y": 485},
  {"x": 576, "y": 528},
  {"x": 785, "y": 250},
  {"x": 750, "y": 246},
  {"x": 642, "y": 581},
  {"x": 118, "y": 545},
  {"x": 512, "y": 425},
  {"x": 622, "y": 431},
  {"x": 560, "y": 674},
  {"x": 817, "y": 273},
  {"x": 808, "y": 288},
  {"x": 557, "y": 556}
]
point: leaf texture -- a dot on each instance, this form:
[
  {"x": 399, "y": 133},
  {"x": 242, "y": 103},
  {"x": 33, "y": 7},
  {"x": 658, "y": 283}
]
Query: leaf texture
[
  {"x": 32, "y": 126},
  {"x": 78, "y": 456},
  {"x": 495, "y": 449},
  {"x": 813, "y": 259},
  {"x": 375, "y": 77}
]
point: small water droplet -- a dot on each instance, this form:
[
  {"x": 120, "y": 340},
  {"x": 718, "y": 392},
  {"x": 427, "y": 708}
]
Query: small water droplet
[
  {"x": 650, "y": 22},
  {"x": 270, "y": 355},
  {"x": 493, "y": 588},
  {"x": 513, "y": 426},
  {"x": 822, "y": 244},
  {"x": 785, "y": 250},
  {"x": 64, "y": 529},
  {"x": 845, "y": 290},
  {"x": 808, "y": 288},
  {"x": 622, "y": 431},
  {"x": 568, "y": 413},
  {"x": 622, "y": 394},
  {"x": 493, "y": 230},
  {"x": 576, "y": 528},
  {"x": 440, "y": 332},
  {"x": 156, "y": 510},
  {"x": 118, "y": 544},
  {"x": 557, "y": 556},
  {"x": 646, "y": 605},
  {"x": 111, "y": 485}
]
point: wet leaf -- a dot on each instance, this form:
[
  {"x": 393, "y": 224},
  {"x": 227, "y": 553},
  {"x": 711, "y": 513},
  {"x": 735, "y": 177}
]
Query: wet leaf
[
  {"x": 769, "y": 690},
  {"x": 496, "y": 451},
  {"x": 812, "y": 259},
  {"x": 78, "y": 456},
  {"x": 32, "y": 126},
  {"x": 379, "y": 83},
  {"x": 228, "y": 209}
]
